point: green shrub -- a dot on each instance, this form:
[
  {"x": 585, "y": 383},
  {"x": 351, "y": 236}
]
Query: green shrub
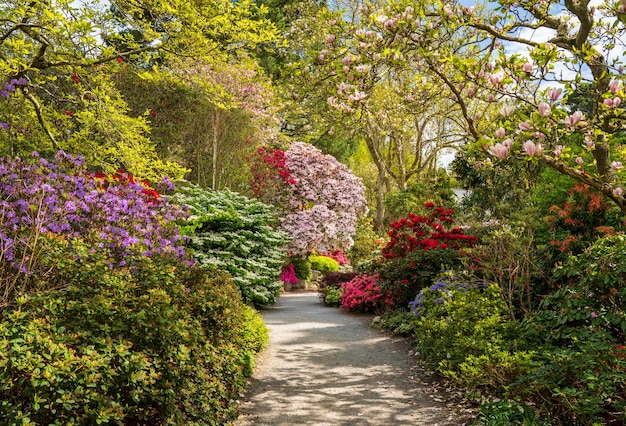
[
  {"x": 581, "y": 372},
  {"x": 463, "y": 330},
  {"x": 333, "y": 296},
  {"x": 232, "y": 232},
  {"x": 505, "y": 413},
  {"x": 331, "y": 284},
  {"x": 324, "y": 264},
  {"x": 400, "y": 321},
  {"x": 158, "y": 343},
  {"x": 302, "y": 267}
]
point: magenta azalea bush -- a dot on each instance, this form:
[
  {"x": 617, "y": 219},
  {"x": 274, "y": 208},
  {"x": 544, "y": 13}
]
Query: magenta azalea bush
[
  {"x": 363, "y": 294},
  {"x": 318, "y": 200},
  {"x": 115, "y": 215}
]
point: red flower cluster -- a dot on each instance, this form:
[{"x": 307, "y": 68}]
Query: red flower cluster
[
  {"x": 425, "y": 233},
  {"x": 123, "y": 177},
  {"x": 269, "y": 170}
]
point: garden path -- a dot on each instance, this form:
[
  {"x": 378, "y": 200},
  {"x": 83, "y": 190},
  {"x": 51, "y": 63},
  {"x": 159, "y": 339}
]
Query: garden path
[{"x": 326, "y": 367}]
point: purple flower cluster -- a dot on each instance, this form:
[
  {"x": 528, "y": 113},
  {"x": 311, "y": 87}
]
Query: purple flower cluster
[
  {"x": 11, "y": 86},
  {"x": 62, "y": 198},
  {"x": 442, "y": 289}
]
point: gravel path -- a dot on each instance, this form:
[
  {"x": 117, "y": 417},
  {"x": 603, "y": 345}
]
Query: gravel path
[{"x": 325, "y": 367}]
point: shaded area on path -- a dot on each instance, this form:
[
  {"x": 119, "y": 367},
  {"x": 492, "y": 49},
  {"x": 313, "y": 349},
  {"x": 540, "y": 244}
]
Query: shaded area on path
[{"x": 325, "y": 367}]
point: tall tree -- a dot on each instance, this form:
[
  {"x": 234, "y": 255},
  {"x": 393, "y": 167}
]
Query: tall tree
[{"x": 56, "y": 68}]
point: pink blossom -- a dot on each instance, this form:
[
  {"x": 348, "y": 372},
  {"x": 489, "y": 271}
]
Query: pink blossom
[
  {"x": 330, "y": 38},
  {"x": 508, "y": 143},
  {"x": 500, "y": 133},
  {"x": 528, "y": 67},
  {"x": 531, "y": 148},
  {"x": 558, "y": 150},
  {"x": 499, "y": 150},
  {"x": 346, "y": 69},
  {"x": 614, "y": 85},
  {"x": 507, "y": 110},
  {"x": 544, "y": 109},
  {"x": 347, "y": 60},
  {"x": 525, "y": 126},
  {"x": 579, "y": 161},
  {"x": 491, "y": 97},
  {"x": 608, "y": 102},
  {"x": 589, "y": 142},
  {"x": 617, "y": 191},
  {"x": 496, "y": 79},
  {"x": 555, "y": 93},
  {"x": 617, "y": 101},
  {"x": 539, "y": 135},
  {"x": 574, "y": 119},
  {"x": 616, "y": 165}
]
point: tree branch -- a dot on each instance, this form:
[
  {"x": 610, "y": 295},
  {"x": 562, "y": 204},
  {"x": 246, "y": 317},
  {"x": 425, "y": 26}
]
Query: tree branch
[{"x": 40, "y": 118}]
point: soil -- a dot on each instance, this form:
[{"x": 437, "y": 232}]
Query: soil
[{"x": 326, "y": 367}]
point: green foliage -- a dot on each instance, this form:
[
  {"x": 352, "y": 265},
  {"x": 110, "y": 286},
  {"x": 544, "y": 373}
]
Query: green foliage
[
  {"x": 332, "y": 296},
  {"x": 367, "y": 243},
  {"x": 330, "y": 286},
  {"x": 232, "y": 232},
  {"x": 323, "y": 264},
  {"x": 505, "y": 413},
  {"x": 463, "y": 330},
  {"x": 399, "y": 204},
  {"x": 400, "y": 321},
  {"x": 583, "y": 325},
  {"x": 302, "y": 267},
  {"x": 156, "y": 343},
  {"x": 406, "y": 276}
]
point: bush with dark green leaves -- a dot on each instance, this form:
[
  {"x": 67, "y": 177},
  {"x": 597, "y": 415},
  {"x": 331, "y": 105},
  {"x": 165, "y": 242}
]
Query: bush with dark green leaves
[
  {"x": 581, "y": 375},
  {"x": 157, "y": 342},
  {"x": 330, "y": 285},
  {"x": 234, "y": 233}
]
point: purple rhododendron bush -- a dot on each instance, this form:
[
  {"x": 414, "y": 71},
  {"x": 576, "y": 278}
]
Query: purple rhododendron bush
[
  {"x": 104, "y": 318},
  {"x": 42, "y": 200}
]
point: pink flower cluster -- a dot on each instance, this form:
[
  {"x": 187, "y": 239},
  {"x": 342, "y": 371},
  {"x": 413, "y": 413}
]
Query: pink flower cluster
[{"x": 362, "y": 294}]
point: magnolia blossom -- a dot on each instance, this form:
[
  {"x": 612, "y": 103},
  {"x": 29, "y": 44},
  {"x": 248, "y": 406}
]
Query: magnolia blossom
[
  {"x": 496, "y": 79},
  {"x": 616, "y": 165},
  {"x": 617, "y": 101},
  {"x": 544, "y": 109},
  {"x": 524, "y": 126},
  {"x": 589, "y": 142},
  {"x": 507, "y": 110},
  {"x": 574, "y": 119},
  {"x": 579, "y": 161},
  {"x": 499, "y": 150},
  {"x": 531, "y": 148},
  {"x": 508, "y": 143},
  {"x": 558, "y": 150},
  {"x": 617, "y": 191},
  {"x": 555, "y": 93},
  {"x": 500, "y": 133},
  {"x": 528, "y": 67},
  {"x": 330, "y": 38},
  {"x": 614, "y": 86}
]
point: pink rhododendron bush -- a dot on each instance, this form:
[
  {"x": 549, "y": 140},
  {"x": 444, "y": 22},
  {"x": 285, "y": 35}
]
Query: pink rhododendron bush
[
  {"x": 318, "y": 199},
  {"x": 363, "y": 294}
]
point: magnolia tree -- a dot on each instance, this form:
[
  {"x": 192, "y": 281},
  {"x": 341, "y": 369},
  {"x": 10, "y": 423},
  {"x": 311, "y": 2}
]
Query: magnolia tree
[
  {"x": 513, "y": 69},
  {"x": 318, "y": 198}
]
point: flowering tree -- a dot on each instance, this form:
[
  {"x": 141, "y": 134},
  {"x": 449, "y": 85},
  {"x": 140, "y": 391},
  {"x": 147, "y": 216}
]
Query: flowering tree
[
  {"x": 512, "y": 77},
  {"x": 318, "y": 198}
]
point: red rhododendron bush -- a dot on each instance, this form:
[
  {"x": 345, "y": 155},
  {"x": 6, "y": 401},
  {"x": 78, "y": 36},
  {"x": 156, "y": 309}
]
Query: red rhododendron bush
[{"x": 418, "y": 248}]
